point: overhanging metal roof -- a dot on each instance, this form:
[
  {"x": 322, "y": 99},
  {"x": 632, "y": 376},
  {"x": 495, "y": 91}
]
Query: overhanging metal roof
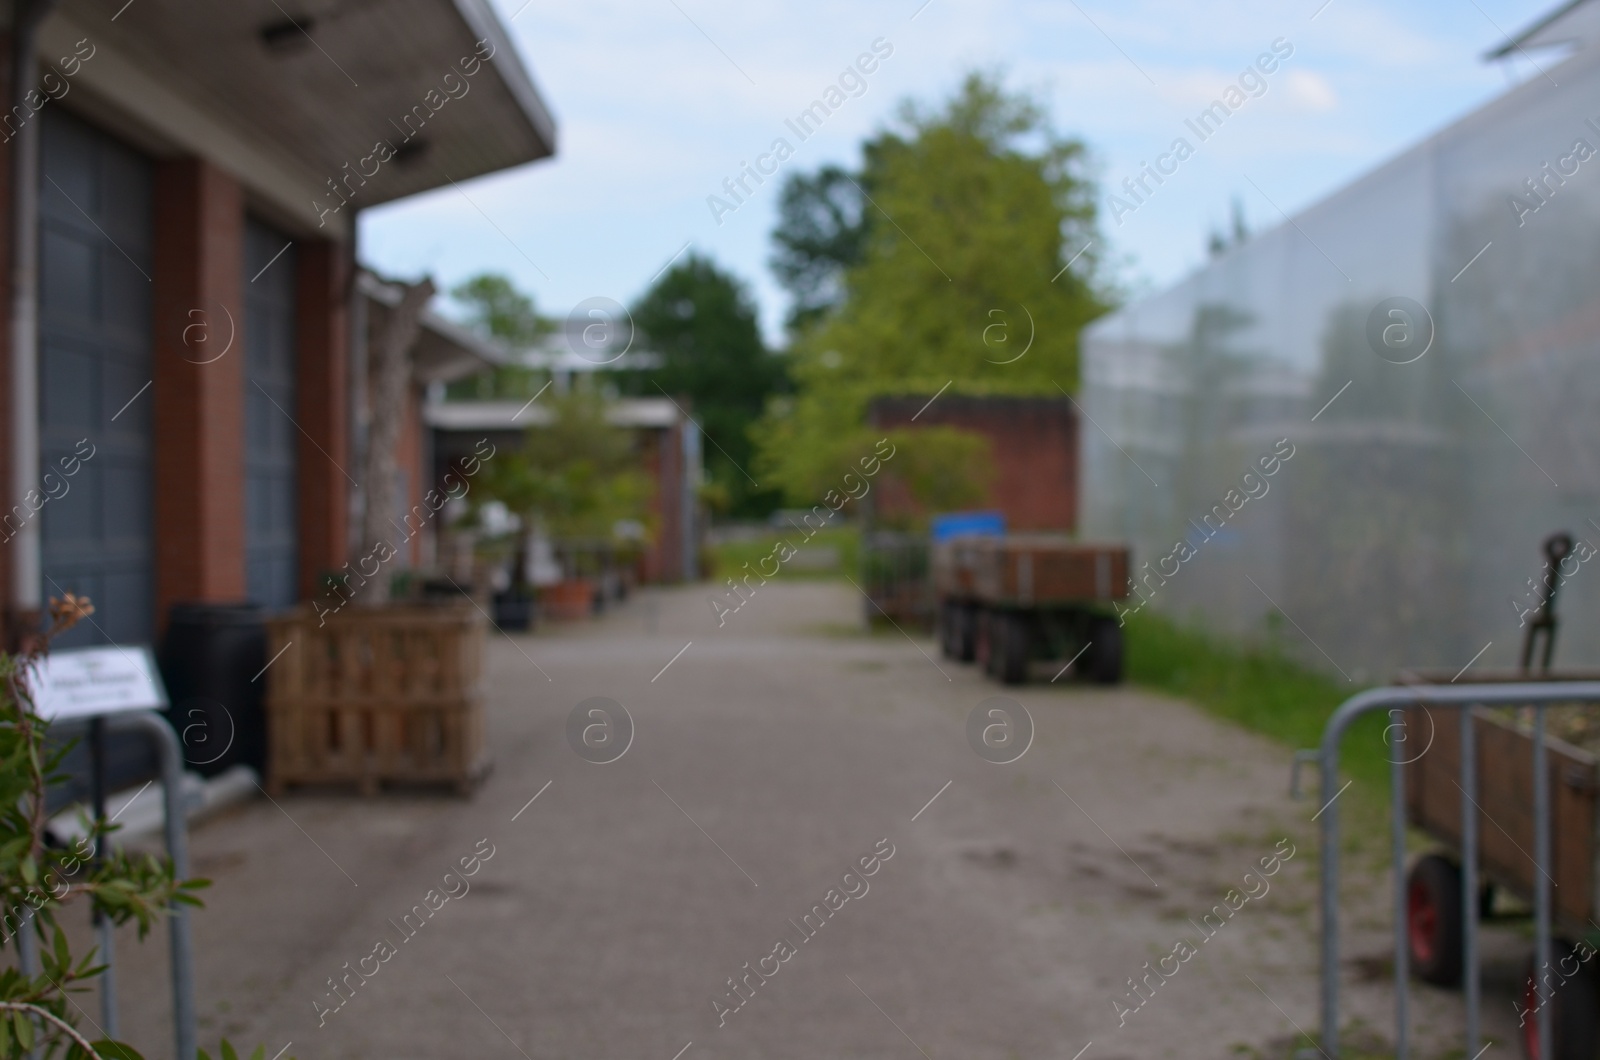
[
  {"x": 1576, "y": 23},
  {"x": 320, "y": 82},
  {"x": 503, "y": 415}
]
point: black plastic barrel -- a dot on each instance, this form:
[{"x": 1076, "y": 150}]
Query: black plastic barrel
[
  {"x": 514, "y": 609},
  {"x": 211, "y": 661}
]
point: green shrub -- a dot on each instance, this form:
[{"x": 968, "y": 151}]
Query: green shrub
[{"x": 1257, "y": 687}]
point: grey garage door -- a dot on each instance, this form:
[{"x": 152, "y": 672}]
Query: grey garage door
[
  {"x": 270, "y": 434},
  {"x": 95, "y": 363}
]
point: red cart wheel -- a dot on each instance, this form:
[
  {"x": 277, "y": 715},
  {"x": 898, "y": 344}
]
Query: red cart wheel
[
  {"x": 1530, "y": 1017},
  {"x": 1433, "y": 920},
  {"x": 1572, "y": 992}
]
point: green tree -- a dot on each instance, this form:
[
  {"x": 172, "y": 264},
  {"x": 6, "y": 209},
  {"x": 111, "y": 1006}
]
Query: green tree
[
  {"x": 576, "y": 475},
  {"x": 702, "y": 321},
  {"x": 494, "y": 307},
  {"x": 822, "y": 231},
  {"x": 972, "y": 213}
]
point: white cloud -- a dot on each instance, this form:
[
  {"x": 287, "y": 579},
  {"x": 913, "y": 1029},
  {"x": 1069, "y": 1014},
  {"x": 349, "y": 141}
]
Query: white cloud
[{"x": 1311, "y": 90}]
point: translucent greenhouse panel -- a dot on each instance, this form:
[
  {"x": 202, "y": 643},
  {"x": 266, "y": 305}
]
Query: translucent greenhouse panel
[{"x": 1413, "y": 361}]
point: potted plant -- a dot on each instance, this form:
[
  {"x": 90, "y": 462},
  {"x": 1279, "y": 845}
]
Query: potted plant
[{"x": 575, "y": 481}]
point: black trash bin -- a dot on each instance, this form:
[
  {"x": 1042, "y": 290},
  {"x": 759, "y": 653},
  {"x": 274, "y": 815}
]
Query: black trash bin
[
  {"x": 209, "y": 656},
  {"x": 514, "y": 609}
]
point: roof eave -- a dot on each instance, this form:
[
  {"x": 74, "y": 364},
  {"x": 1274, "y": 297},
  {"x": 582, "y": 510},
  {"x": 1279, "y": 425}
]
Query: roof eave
[{"x": 508, "y": 64}]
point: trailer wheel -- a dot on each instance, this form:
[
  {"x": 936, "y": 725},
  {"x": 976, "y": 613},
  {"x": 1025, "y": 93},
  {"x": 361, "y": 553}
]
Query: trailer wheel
[
  {"x": 1014, "y": 647},
  {"x": 983, "y": 639},
  {"x": 1433, "y": 920},
  {"x": 1574, "y": 1001},
  {"x": 966, "y": 632},
  {"x": 948, "y": 629},
  {"x": 1103, "y": 660}
]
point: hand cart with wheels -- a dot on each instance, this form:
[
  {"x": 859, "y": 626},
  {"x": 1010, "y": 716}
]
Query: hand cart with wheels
[
  {"x": 1506, "y": 839},
  {"x": 1009, "y": 601}
]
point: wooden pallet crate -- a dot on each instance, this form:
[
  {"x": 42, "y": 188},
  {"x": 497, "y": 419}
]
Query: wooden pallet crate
[{"x": 370, "y": 696}]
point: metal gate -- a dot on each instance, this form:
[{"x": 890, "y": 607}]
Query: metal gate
[{"x": 1537, "y": 695}]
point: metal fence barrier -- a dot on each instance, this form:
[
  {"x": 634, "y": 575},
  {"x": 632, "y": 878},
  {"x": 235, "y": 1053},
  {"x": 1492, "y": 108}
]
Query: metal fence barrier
[
  {"x": 185, "y": 1038},
  {"x": 1537, "y": 694}
]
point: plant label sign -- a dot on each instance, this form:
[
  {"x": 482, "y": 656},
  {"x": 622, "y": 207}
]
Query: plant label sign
[{"x": 84, "y": 682}]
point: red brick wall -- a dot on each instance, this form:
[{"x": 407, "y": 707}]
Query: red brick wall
[
  {"x": 1034, "y": 442},
  {"x": 661, "y": 459},
  {"x": 322, "y": 407},
  {"x": 410, "y": 459},
  {"x": 199, "y": 408},
  {"x": 650, "y": 460}
]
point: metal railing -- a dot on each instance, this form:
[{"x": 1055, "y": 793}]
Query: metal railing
[
  {"x": 1536, "y": 694},
  {"x": 185, "y": 1036}
]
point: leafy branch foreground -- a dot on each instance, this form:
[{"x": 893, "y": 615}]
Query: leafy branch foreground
[{"x": 37, "y": 879}]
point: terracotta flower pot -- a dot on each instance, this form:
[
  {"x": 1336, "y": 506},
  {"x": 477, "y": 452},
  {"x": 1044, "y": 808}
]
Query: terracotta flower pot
[{"x": 573, "y": 598}]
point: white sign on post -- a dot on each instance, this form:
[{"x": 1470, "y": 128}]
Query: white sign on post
[{"x": 84, "y": 682}]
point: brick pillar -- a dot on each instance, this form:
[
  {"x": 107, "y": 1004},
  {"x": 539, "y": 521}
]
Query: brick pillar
[
  {"x": 199, "y": 389},
  {"x": 419, "y": 480},
  {"x": 669, "y": 534},
  {"x": 322, "y": 405}
]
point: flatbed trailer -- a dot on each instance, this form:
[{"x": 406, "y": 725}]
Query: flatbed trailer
[{"x": 1008, "y": 601}]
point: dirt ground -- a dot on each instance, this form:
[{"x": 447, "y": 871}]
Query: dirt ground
[{"x": 1006, "y": 910}]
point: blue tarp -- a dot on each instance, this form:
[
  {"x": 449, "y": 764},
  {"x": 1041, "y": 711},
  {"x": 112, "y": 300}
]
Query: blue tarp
[{"x": 959, "y": 524}]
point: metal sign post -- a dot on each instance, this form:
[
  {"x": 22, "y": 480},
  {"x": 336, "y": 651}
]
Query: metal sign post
[{"x": 118, "y": 689}]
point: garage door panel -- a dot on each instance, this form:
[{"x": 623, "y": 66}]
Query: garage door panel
[
  {"x": 70, "y": 149},
  {"x": 72, "y": 519},
  {"x": 126, "y": 308},
  {"x": 270, "y": 435},
  {"x": 95, "y": 355},
  {"x": 67, "y": 269},
  {"x": 67, "y": 385},
  {"x": 125, "y": 517},
  {"x": 124, "y": 188}
]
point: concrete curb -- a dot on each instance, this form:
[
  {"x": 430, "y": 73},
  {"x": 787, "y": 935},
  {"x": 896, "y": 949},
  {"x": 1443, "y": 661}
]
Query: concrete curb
[{"x": 137, "y": 811}]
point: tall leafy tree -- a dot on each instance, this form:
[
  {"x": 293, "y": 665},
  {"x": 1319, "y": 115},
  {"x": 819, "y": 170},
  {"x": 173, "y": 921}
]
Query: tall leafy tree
[
  {"x": 971, "y": 214},
  {"x": 495, "y": 307},
  {"x": 702, "y": 321},
  {"x": 822, "y": 231}
]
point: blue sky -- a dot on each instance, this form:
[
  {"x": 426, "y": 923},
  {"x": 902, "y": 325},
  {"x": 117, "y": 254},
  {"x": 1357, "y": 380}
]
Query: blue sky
[{"x": 659, "y": 101}]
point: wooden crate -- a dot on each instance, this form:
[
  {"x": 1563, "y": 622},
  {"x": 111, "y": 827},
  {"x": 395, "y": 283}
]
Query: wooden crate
[{"x": 373, "y": 695}]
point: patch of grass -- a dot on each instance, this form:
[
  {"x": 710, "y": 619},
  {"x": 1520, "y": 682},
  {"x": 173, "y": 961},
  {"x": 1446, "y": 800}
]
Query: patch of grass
[
  {"x": 729, "y": 558},
  {"x": 1259, "y": 688}
]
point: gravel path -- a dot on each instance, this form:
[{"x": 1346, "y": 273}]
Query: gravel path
[{"x": 1006, "y": 909}]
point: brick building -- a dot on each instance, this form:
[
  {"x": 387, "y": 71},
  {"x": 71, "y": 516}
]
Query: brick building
[
  {"x": 182, "y": 351},
  {"x": 1033, "y": 442},
  {"x": 666, "y": 440}
]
